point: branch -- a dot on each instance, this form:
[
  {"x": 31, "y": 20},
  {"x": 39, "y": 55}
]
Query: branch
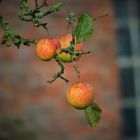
[
  {"x": 71, "y": 20},
  {"x": 36, "y": 3},
  {"x": 68, "y": 50},
  {"x": 104, "y": 15},
  {"x": 75, "y": 66},
  {"x": 44, "y": 3},
  {"x": 9, "y": 36},
  {"x": 71, "y": 50},
  {"x": 58, "y": 75},
  {"x": 34, "y": 16}
]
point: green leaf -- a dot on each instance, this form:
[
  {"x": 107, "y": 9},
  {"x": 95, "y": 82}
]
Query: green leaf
[
  {"x": 93, "y": 113},
  {"x": 84, "y": 28}
]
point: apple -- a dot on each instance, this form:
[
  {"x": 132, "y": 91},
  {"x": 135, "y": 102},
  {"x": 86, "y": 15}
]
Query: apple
[
  {"x": 65, "y": 43},
  {"x": 80, "y": 95},
  {"x": 46, "y": 49}
]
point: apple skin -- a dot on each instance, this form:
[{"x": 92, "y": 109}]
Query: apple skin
[
  {"x": 65, "y": 42},
  {"x": 80, "y": 95},
  {"x": 46, "y": 49}
]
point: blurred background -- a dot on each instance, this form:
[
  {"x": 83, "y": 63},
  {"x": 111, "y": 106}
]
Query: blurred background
[{"x": 30, "y": 109}]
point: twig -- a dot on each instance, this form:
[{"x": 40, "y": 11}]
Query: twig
[
  {"x": 35, "y": 16},
  {"x": 71, "y": 19},
  {"x": 58, "y": 75},
  {"x": 75, "y": 66},
  {"x": 104, "y": 15},
  {"x": 9, "y": 36},
  {"x": 68, "y": 50},
  {"x": 36, "y": 3},
  {"x": 81, "y": 53},
  {"x": 44, "y": 3},
  {"x": 66, "y": 80}
]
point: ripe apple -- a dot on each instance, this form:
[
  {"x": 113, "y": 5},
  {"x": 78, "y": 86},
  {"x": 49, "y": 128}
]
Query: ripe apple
[
  {"x": 46, "y": 49},
  {"x": 65, "y": 43},
  {"x": 80, "y": 95}
]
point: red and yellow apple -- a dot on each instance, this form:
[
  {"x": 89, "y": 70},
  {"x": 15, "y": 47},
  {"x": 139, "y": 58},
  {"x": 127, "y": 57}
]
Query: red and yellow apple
[
  {"x": 80, "y": 95},
  {"x": 46, "y": 49},
  {"x": 65, "y": 43}
]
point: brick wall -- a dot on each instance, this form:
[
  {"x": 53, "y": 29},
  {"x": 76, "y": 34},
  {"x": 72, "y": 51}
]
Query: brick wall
[{"x": 25, "y": 95}]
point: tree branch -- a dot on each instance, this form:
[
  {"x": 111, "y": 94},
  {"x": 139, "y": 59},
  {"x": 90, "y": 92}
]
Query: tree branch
[
  {"x": 36, "y": 3},
  {"x": 35, "y": 16},
  {"x": 44, "y": 3},
  {"x": 58, "y": 75},
  {"x": 75, "y": 66},
  {"x": 9, "y": 36},
  {"x": 104, "y": 15}
]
